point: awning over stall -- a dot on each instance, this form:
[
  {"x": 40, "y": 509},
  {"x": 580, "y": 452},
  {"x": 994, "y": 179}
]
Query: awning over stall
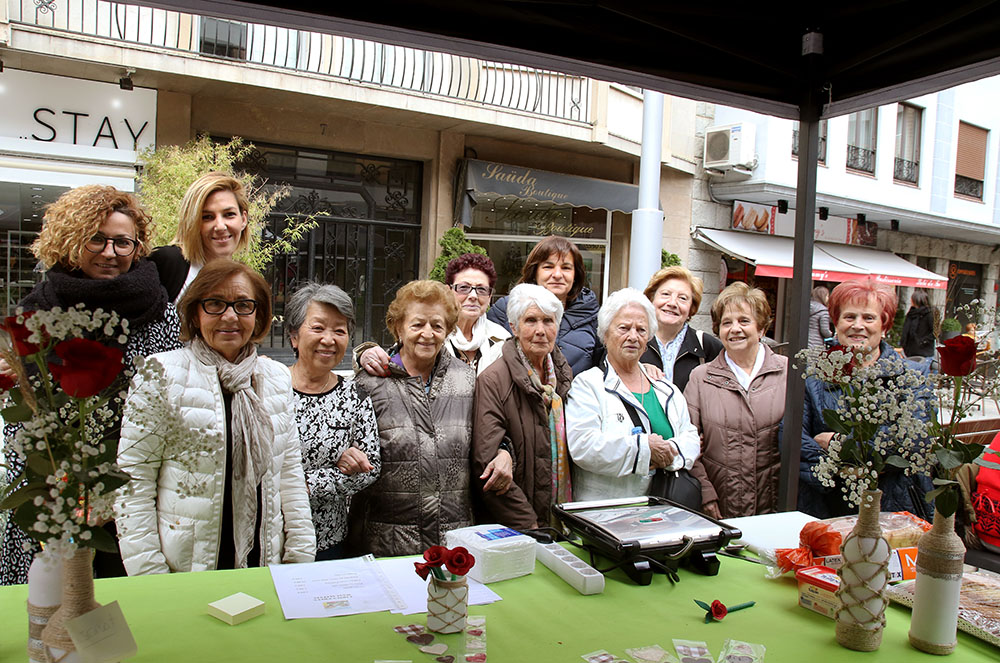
[
  {"x": 772, "y": 255},
  {"x": 489, "y": 180}
]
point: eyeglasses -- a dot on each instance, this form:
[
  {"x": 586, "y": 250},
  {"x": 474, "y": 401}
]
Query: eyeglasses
[
  {"x": 219, "y": 306},
  {"x": 465, "y": 288},
  {"x": 123, "y": 246}
]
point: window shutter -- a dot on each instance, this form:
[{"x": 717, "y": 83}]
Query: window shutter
[{"x": 971, "y": 160}]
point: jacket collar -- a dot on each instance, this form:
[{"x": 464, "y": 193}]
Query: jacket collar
[
  {"x": 719, "y": 368},
  {"x": 613, "y": 385},
  {"x": 519, "y": 372}
]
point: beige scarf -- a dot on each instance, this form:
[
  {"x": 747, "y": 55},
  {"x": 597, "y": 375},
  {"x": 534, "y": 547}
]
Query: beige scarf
[{"x": 252, "y": 433}]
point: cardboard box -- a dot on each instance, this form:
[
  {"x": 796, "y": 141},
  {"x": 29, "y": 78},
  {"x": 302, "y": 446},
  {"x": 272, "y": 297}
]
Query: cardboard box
[
  {"x": 817, "y": 587},
  {"x": 236, "y": 609}
]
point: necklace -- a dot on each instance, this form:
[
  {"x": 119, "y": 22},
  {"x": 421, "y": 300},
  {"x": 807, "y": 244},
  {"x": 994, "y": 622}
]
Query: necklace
[{"x": 330, "y": 376}]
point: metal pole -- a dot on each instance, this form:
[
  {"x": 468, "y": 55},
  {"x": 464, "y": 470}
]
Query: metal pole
[
  {"x": 647, "y": 219},
  {"x": 805, "y": 222}
]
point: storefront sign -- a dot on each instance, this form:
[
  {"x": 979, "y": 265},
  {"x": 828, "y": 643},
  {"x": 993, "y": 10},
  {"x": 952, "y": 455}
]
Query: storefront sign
[
  {"x": 768, "y": 220},
  {"x": 964, "y": 282},
  {"x": 40, "y": 108}
]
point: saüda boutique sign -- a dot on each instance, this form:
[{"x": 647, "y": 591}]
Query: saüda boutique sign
[{"x": 69, "y": 111}]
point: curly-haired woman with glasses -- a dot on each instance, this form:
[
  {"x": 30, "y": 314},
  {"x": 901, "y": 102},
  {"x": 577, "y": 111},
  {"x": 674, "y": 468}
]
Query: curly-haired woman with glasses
[
  {"x": 93, "y": 244},
  {"x": 254, "y": 510}
]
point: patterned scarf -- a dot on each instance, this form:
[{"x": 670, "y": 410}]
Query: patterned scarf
[
  {"x": 252, "y": 433},
  {"x": 562, "y": 490}
]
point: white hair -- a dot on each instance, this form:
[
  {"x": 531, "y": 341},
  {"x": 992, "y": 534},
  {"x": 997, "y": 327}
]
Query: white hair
[
  {"x": 526, "y": 295},
  {"x": 619, "y": 300}
]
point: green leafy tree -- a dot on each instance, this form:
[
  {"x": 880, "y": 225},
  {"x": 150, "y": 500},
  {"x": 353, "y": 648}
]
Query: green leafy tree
[
  {"x": 668, "y": 259},
  {"x": 169, "y": 170},
  {"x": 453, "y": 244}
]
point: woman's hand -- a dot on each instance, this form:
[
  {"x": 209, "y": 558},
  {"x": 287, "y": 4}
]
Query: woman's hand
[
  {"x": 711, "y": 510},
  {"x": 353, "y": 461},
  {"x": 499, "y": 473},
  {"x": 661, "y": 452},
  {"x": 375, "y": 361},
  {"x": 823, "y": 440},
  {"x": 654, "y": 372}
]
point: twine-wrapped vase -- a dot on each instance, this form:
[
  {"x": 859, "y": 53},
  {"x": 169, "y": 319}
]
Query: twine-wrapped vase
[
  {"x": 77, "y": 599},
  {"x": 940, "y": 556},
  {"x": 863, "y": 579},
  {"x": 447, "y": 605},
  {"x": 44, "y": 597}
]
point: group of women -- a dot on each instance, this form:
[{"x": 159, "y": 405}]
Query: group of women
[{"x": 477, "y": 413}]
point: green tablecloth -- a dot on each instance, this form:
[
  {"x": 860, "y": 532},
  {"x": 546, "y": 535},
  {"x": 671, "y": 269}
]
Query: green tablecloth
[{"x": 541, "y": 618}]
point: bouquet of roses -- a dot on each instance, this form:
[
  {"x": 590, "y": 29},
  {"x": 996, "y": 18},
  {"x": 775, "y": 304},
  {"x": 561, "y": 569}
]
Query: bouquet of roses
[{"x": 458, "y": 561}]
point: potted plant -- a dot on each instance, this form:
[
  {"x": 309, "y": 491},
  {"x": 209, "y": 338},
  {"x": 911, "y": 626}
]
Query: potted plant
[{"x": 950, "y": 328}]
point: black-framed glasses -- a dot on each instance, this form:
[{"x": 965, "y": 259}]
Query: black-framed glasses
[
  {"x": 465, "y": 288},
  {"x": 123, "y": 246},
  {"x": 219, "y": 306}
]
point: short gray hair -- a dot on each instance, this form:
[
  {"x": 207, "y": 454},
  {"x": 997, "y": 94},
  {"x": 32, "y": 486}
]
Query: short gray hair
[
  {"x": 322, "y": 293},
  {"x": 526, "y": 295},
  {"x": 619, "y": 300}
]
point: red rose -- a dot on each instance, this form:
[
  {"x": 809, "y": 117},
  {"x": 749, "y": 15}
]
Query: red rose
[
  {"x": 19, "y": 334},
  {"x": 436, "y": 555},
  {"x": 460, "y": 561},
  {"x": 958, "y": 356},
  {"x": 6, "y": 382},
  {"x": 423, "y": 570},
  {"x": 718, "y": 610},
  {"x": 87, "y": 367}
]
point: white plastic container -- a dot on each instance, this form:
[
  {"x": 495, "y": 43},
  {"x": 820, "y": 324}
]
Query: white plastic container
[{"x": 501, "y": 553}]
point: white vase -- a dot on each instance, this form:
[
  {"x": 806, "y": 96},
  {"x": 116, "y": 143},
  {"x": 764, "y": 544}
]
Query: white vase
[
  {"x": 447, "y": 605},
  {"x": 44, "y": 597},
  {"x": 940, "y": 556},
  {"x": 77, "y": 599},
  {"x": 863, "y": 579}
]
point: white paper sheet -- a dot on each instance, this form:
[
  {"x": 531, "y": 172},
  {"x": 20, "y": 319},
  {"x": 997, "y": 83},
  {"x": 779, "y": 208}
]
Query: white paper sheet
[
  {"x": 333, "y": 588},
  {"x": 412, "y": 591}
]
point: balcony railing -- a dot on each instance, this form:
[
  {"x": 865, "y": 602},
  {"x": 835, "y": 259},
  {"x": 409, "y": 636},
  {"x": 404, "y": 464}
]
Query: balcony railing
[
  {"x": 512, "y": 87},
  {"x": 795, "y": 146},
  {"x": 906, "y": 171},
  {"x": 859, "y": 158},
  {"x": 966, "y": 186}
]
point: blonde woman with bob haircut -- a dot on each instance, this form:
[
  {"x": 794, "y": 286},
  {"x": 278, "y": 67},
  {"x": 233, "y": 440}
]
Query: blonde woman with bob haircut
[
  {"x": 676, "y": 295},
  {"x": 737, "y": 401},
  {"x": 213, "y": 221}
]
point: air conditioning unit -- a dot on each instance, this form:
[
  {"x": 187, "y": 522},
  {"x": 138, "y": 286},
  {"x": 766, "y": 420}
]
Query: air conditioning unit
[{"x": 731, "y": 146}]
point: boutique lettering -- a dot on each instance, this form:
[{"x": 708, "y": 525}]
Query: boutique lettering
[
  {"x": 82, "y": 130},
  {"x": 525, "y": 179}
]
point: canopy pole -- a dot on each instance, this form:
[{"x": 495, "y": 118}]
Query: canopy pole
[
  {"x": 805, "y": 221},
  {"x": 647, "y": 220}
]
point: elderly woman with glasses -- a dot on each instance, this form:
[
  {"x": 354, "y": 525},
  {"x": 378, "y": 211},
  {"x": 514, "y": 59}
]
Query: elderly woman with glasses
[
  {"x": 622, "y": 423},
  {"x": 254, "y": 510},
  {"x": 476, "y": 340},
  {"x": 93, "y": 244},
  {"x": 519, "y": 414},
  {"x": 337, "y": 429}
]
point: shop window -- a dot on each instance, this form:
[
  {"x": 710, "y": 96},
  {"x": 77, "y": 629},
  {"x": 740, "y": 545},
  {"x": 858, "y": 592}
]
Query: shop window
[
  {"x": 908, "y": 124},
  {"x": 224, "y": 39},
  {"x": 861, "y": 138},
  {"x": 822, "y": 140},
  {"x": 970, "y": 163}
]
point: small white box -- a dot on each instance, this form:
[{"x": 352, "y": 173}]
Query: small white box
[
  {"x": 236, "y": 609},
  {"x": 501, "y": 553}
]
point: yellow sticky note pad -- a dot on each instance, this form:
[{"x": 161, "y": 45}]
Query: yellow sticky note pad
[
  {"x": 102, "y": 635},
  {"x": 236, "y": 609}
]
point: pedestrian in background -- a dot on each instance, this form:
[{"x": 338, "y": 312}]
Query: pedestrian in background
[
  {"x": 820, "y": 327},
  {"x": 917, "y": 337}
]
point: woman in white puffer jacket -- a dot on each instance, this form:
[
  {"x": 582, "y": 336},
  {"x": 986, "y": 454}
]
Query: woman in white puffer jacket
[{"x": 252, "y": 507}]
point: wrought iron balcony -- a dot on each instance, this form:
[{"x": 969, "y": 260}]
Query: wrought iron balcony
[
  {"x": 859, "y": 158},
  {"x": 966, "y": 186},
  {"x": 906, "y": 171},
  {"x": 495, "y": 84},
  {"x": 822, "y": 145}
]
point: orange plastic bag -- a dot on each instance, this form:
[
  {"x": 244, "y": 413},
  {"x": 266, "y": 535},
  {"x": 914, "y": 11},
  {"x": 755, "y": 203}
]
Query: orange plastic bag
[{"x": 817, "y": 539}]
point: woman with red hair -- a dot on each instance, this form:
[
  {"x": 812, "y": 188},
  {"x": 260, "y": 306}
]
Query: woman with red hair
[{"x": 862, "y": 313}]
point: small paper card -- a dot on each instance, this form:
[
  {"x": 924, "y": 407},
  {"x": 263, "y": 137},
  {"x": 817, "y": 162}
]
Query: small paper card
[
  {"x": 236, "y": 608},
  {"x": 102, "y": 635}
]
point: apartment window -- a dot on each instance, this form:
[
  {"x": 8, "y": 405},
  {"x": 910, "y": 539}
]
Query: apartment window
[
  {"x": 970, "y": 166},
  {"x": 908, "y": 121},
  {"x": 822, "y": 140},
  {"x": 861, "y": 137},
  {"x": 224, "y": 39}
]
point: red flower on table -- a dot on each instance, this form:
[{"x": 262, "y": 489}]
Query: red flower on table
[
  {"x": 460, "y": 561},
  {"x": 87, "y": 367},
  {"x": 718, "y": 610},
  {"x": 19, "y": 334},
  {"x": 423, "y": 569},
  {"x": 436, "y": 555},
  {"x": 958, "y": 356}
]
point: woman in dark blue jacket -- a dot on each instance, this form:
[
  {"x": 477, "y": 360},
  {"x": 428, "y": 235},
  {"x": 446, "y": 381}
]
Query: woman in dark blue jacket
[
  {"x": 557, "y": 265},
  {"x": 862, "y": 312}
]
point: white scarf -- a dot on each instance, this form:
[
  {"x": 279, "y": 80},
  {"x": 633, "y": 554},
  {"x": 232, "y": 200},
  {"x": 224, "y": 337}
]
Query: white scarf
[
  {"x": 479, "y": 336},
  {"x": 252, "y": 433}
]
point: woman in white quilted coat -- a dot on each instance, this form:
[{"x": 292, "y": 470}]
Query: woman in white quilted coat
[{"x": 250, "y": 506}]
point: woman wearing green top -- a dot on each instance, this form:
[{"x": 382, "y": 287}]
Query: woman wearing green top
[{"x": 621, "y": 424}]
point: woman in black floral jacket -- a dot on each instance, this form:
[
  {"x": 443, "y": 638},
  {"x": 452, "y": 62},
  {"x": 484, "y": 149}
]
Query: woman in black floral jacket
[{"x": 337, "y": 429}]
